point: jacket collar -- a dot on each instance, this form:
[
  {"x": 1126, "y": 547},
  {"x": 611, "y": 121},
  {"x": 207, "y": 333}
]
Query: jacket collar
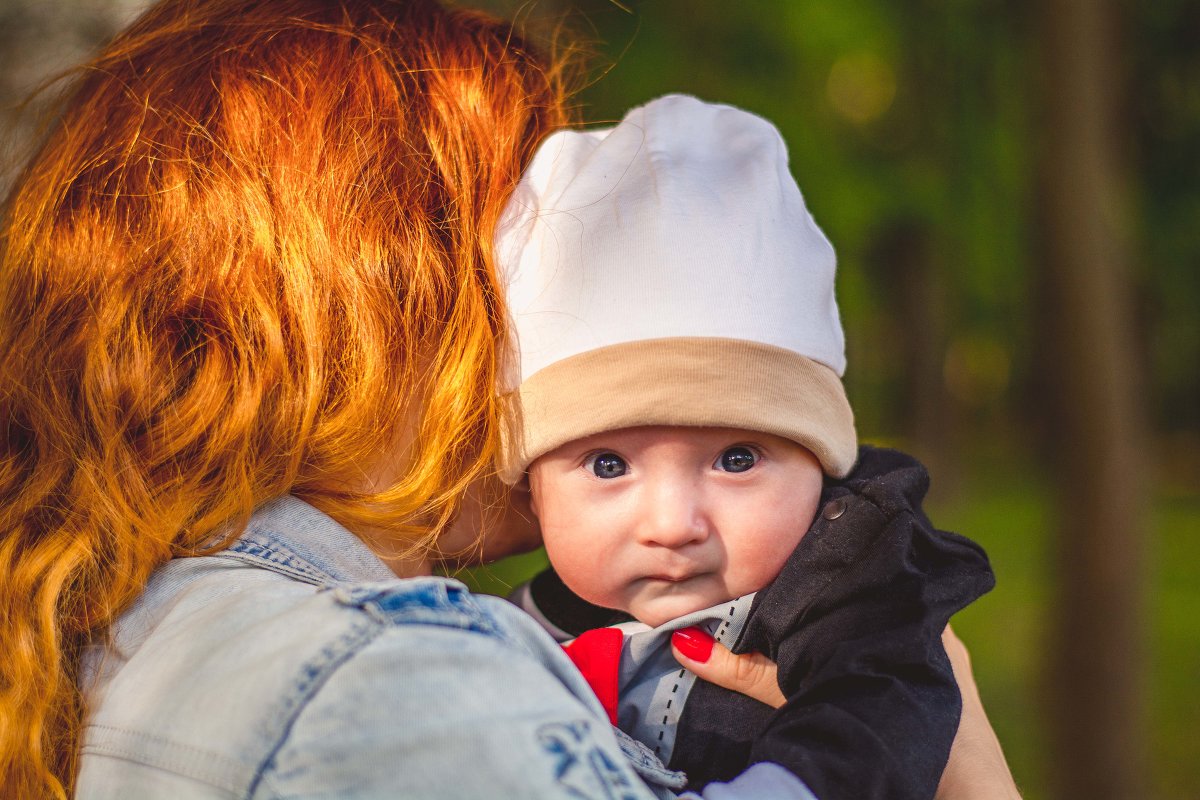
[{"x": 291, "y": 537}]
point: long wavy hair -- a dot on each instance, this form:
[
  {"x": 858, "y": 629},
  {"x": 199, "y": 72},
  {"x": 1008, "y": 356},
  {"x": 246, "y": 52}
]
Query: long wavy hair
[{"x": 252, "y": 255}]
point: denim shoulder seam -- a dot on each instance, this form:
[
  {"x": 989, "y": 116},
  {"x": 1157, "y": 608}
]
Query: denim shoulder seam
[
  {"x": 377, "y": 608},
  {"x": 428, "y": 601},
  {"x": 311, "y": 676}
]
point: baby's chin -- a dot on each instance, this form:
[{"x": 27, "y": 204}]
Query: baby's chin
[{"x": 661, "y": 610}]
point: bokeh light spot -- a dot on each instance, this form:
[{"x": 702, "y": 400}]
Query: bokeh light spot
[{"x": 861, "y": 87}]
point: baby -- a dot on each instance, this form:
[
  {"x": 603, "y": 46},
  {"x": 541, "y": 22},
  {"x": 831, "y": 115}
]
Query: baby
[{"x": 692, "y": 459}]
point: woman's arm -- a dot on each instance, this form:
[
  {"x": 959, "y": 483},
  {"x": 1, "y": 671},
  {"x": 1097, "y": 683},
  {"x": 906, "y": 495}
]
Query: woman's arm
[
  {"x": 426, "y": 709},
  {"x": 977, "y": 769}
]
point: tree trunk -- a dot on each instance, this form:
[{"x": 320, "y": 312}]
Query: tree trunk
[
  {"x": 1095, "y": 653},
  {"x": 903, "y": 264}
]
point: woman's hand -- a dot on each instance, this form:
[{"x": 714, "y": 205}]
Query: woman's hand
[
  {"x": 976, "y": 770},
  {"x": 751, "y": 674}
]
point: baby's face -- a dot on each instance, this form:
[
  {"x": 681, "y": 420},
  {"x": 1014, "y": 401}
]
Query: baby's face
[{"x": 663, "y": 521}]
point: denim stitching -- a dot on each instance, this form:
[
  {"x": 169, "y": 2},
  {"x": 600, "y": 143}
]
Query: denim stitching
[
  {"x": 213, "y": 769},
  {"x": 309, "y": 679},
  {"x": 274, "y": 559},
  {"x": 431, "y": 602}
]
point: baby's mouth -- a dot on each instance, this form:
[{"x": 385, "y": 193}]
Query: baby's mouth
[{"x": 675, "y": 576}]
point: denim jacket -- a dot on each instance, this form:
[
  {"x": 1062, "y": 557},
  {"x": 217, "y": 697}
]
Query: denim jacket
[{"x": 294, "y": 664}]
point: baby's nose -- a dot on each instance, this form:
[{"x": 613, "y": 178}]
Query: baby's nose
[{"x": 673, "y": 517}]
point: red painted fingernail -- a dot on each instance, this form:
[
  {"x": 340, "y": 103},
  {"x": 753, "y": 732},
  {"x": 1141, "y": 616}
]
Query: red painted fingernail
[{"x": 694, "y": 643}]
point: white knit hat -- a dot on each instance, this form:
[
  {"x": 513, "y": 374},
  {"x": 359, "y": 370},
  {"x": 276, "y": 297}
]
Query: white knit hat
[{"x": 666, "y": 272}]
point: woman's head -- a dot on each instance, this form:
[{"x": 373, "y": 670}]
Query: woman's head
[{"x": 252, "y": 257}]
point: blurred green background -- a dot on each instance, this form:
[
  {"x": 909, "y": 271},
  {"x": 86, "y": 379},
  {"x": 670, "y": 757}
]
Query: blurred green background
[
  {"x": 917, "y": 133},
  {"x": 936, "y": 144}
]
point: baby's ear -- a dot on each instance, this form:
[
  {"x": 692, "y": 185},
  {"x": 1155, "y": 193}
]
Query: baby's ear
[{"x": 525, "y": 487}]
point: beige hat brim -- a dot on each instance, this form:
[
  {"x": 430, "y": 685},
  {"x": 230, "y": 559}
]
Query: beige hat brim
[{"x": 691, "y": 381}]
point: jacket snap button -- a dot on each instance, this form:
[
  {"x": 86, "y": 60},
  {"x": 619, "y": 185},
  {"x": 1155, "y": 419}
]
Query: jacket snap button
[{"x": 834, "y": 509}]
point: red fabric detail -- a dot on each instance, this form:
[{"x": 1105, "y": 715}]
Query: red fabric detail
[{"x": 597, "y": 654}]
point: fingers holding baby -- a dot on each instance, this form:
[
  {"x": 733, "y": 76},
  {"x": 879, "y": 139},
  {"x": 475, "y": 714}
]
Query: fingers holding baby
[{"x": 751, "y": 674}]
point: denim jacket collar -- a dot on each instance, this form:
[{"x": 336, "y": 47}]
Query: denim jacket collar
[{"x": 291, "y": 537}]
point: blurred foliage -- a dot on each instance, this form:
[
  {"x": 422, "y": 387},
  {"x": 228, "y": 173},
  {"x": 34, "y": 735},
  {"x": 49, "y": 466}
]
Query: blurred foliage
[
  {"x": 912, "y": 132},
  {"x": 916, "y": 117},
  {"x": 1005, "y": 507},
  {"x": 898, "y": 117}
]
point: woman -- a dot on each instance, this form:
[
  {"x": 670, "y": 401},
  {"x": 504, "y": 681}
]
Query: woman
[{"x": 249, "y": 328}]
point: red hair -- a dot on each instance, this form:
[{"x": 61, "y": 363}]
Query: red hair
[{"x": 253, "y": 253}]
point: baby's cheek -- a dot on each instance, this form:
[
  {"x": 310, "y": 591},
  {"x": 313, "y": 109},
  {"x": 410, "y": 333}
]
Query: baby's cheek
[
  {"x": 768, "y": 557},
  {"x": 581, "y": 569}
]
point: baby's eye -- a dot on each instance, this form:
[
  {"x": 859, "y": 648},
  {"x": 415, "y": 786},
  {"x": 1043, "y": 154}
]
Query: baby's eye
[
  {"x": 736, "y": 459},
  {"x": 607, "y": 465}
]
